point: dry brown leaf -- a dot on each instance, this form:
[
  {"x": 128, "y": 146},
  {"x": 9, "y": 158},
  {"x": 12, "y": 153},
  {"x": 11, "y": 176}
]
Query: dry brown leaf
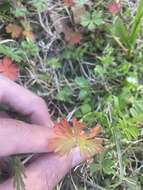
[
  {"x": 78, "y": 12},
  {"x": 60, "y": 26},
  {"x": 28, "y": 34}
]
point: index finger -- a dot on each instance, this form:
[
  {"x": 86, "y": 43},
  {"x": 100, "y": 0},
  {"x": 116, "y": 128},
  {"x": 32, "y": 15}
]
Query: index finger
[{"x": 24, "y": 102}]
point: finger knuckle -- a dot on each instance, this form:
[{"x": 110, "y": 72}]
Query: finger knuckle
[{"x": 39, "y": 102}]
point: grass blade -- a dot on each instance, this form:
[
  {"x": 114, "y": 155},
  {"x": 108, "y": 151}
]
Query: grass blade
[{"x": 136, "y": 24}]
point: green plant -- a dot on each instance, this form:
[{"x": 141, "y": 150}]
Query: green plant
[
  {"x": 29, "y": 47},
  {"x": 106, "y": 65},
  {"x": 135, "y": 29},
  {"x": 128, "y": 36},
  {"x": 54, "y": 63},
  {"x": 64, "y": 94},
  {"x": 20, "y": 11},
  {"x": 95, "y": 80},
  {"x": 14, "y": 53},
  {"x": 18, "y": 173},
  {"x": 72, "y": 53},
  {"x": 4, "y": 6},
  {"x": 92, "y": 20},
  {"x": 40, "y": 5}
]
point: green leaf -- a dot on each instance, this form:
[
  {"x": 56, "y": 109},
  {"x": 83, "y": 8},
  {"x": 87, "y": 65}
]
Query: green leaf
[
  {"x": 90, "y": 117},
  {"x": 54, "y": 63},
  {"x": 83, "y": 94},
  {"x": 4, "y": 6},
  {"x": 81, "y": 2},
  {"x": 92, "y": 20},
  {"x": 99, "y": 70},
  {"x": 20, "y": 11},
  {"x": 64, "y": 94},
  {"x": 141, "y": 179},
  {"x": 85, "y": 108},
  {"x": 129, "y": 126},
  {"x": 40, "y": 5},
  {"x": 15, "y": 54},
  {"x": 43, "y": 77},
  {"x": 86, "y": 18},
  {"x": 119, "y": 30},
  {"x": 108, "y": 166},
  {"x": 94, "y": 167},
  {"x": 97, "y": 18},
  {"x": 30, "y": 48},
  {"x": 82, "y": 82}
]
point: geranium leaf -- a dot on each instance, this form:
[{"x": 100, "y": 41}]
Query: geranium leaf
[
  {"x": 70, "y": 135},
  {"x": 8, "y": 68}
]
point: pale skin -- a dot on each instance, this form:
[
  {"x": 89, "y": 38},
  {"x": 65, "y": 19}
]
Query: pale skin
[{"x": 17, "y": 137}]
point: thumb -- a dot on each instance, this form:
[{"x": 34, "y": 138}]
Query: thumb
[{"x": 47, "y": 171}]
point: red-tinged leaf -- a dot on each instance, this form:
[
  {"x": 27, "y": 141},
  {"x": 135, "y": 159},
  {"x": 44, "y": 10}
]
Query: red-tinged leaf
[
  {"x": 14, "y": 30},
  {"x": 61, "y": 145},
  {"x": 72, "y": 37},
  {"x": 68, "y": 136},
  {"x": 69, "y": 3},
  {"x": 89, "y": 147},
  {"x": 114, "y": 8},
  {"x": 95, "y": 131},
  {"x": 8, "y": 68},
  {"x": 78, "y": 127},
  {"x": 63, "y": 127}
]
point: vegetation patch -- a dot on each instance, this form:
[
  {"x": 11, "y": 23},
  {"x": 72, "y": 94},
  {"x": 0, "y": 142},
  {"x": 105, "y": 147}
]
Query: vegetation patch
[{"x": 85, "y": 58}]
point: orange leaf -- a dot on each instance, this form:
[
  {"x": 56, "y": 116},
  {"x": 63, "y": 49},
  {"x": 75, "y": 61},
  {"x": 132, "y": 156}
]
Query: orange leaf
[
  {"x": 14, "y": 30},
  {"x": 8, "y": 68},
  {"x": 69, "y": 135},
  {"x": 69, "y": 3},
  {"x": 78, "y": 127},
  {"x": 62, "y": 128},
  {"x": 29, "y": 35},
  {"x": 114, "y": 7}
]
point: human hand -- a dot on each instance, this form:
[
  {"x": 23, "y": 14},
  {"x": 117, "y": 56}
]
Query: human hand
[{"x": 17, "y": 137}]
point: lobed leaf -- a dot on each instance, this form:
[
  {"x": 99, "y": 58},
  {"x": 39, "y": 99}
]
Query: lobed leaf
[
  {"x": 8, "y": 68},
  {"x": 67, "y": 136}
]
